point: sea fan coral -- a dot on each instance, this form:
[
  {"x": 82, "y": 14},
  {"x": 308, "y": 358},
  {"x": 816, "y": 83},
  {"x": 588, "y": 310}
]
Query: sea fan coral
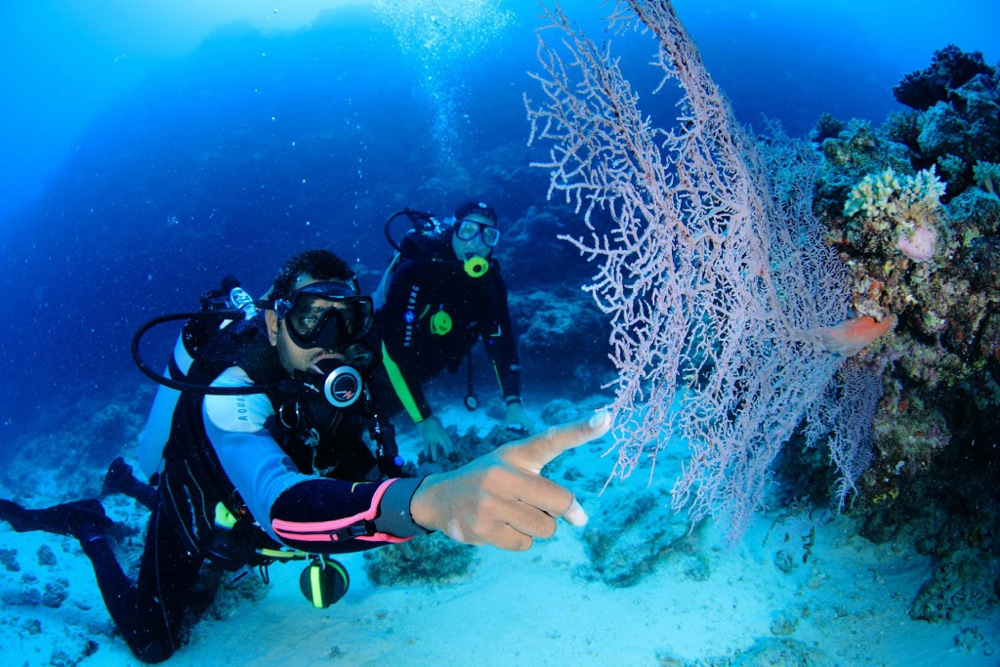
[{"x": 712, "y": 272}]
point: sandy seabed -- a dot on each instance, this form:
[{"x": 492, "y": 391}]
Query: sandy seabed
[{"x": 849, "y": 601}]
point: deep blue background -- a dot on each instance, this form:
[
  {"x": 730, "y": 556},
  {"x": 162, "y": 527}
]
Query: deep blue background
[{"x": 128, "y": 197}]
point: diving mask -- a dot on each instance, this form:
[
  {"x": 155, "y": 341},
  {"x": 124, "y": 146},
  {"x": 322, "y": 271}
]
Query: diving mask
[
  {"x": 329, "y": 315},
  {"x": 468, "y": 229}
]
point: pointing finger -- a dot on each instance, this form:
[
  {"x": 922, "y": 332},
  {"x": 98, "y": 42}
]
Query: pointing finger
[{"x": 532, "y": 454}]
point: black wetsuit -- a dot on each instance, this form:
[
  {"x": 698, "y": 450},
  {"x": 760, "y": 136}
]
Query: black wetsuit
[
  {"x": 241, "y": 477},
  {"x": 415, "y": 345}
]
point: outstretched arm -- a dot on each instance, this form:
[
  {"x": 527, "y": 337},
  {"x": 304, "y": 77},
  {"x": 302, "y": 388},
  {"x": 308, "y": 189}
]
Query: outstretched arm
[{"x": 501, "y": 498}]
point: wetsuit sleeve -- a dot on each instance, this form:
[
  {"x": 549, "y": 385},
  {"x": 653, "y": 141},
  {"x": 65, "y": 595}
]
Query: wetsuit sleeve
[
  {"x": 325, "y": 516},
  {"x": 501, "y": 342},
  {"x": 305, "y": 512},
  {"x": 397, "y": 320}
]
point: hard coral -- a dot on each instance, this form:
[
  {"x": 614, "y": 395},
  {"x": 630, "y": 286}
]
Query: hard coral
[
  {"x": 950, "y": 68},
  {"x": 906, "y": 206},
  {"x": 827, "y": 126},
  {"x": 987, "y": 175},
  {"x": 903, "y": 127},
  {"x": 875, "y": 196}
]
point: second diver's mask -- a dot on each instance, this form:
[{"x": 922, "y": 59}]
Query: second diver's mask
[
  {"x": 468, "y": 230},
  {"x": 330, "y": 315}
]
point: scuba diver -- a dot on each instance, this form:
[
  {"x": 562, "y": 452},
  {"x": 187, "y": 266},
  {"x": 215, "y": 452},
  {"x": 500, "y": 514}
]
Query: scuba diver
[
  {"x": 264, "y": 462},
  {"x": 442, "y": 292}
]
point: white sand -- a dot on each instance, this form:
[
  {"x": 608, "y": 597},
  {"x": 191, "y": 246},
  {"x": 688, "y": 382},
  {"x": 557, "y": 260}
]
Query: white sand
[{"x": 850, "y": 599}]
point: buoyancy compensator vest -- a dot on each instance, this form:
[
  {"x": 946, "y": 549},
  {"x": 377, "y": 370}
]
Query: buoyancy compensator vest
[
  {"x": 322, "y": 395},
  {"x": 221, "y": 308},
  {"x": 427, "y": 240}
]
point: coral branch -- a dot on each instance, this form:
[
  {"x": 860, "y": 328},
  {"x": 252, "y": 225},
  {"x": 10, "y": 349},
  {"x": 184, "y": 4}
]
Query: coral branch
[{"x": 713, "y": 273}]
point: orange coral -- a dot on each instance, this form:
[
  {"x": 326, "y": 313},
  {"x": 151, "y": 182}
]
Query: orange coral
[{"x": 851, "y": 336}]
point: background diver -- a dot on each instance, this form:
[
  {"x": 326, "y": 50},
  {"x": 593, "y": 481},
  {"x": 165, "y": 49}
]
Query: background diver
[{"x": 441, "y": 294}]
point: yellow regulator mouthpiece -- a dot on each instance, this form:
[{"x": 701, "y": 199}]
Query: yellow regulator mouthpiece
[
  {"x": 440, "y": 323},
  {"x": 476, "y": 267}
]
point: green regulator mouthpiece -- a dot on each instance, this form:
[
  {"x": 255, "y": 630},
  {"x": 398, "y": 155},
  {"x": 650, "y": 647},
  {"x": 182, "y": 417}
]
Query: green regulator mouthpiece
[{"x": 476, "y": 267}]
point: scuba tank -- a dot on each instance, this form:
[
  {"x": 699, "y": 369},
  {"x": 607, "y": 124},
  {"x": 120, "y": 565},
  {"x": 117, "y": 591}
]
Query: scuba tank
[
  {"x": 428, "y": 240},
  {"x": 423, "y": 242},
  {"x": 197, "y": 331},
  {"x": 324, "y": 394}
]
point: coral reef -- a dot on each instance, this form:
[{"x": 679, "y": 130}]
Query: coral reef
[
  {"x": 962, "y": 584},
  {"x": 916, "y": 246},
  {"x": 55, "y": 593},
  {"x": 912, "y": 209},
  {"x": 433, "y": 559},
  {"x": 827, "y": 126},
  {"x": 67, "y": 459},
  {"x": 987, "y": 176},
  {"x": 8, "y": 558},
  {"x": 535, "y": 234},
  {"x": 950, "y": 68},
  {"x": 635, "y": 535},
  {"x": 45, "y": 556},
  {"x": 563, "y": 340}
]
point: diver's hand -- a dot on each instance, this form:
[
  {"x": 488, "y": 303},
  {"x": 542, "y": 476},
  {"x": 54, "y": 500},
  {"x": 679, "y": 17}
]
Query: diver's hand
[
  {"x": 517, "y": 419},
  {"x": 433, "y": 434},
  {"x": 501, "y": 497}
]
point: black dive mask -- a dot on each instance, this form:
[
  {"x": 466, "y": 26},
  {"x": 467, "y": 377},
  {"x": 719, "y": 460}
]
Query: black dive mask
[{"x": 328, "y": 315}]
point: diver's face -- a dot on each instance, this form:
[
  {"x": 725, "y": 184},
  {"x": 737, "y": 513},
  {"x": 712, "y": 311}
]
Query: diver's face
[
  {"x": 292, "y": 356},
  {"x": 473, "y": 245}
]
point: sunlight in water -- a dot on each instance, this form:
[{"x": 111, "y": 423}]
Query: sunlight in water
[{"x": 435, "y": 33}]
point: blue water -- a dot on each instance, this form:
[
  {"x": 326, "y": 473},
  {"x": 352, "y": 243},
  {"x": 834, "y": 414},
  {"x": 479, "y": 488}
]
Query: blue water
[{"x": 149, "y": 148}]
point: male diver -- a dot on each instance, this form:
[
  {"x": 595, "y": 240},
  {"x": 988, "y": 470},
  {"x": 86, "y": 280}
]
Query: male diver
[
  {"x": 251, "y": 478},
  {"x": 435, "y": 301}
]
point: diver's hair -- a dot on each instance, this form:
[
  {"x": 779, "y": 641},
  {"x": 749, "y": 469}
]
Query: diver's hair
[{"x": 318, "y": 264}]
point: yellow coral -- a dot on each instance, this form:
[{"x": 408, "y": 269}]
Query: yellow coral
[
  {"x": 885, "y": 196},
  {"x": 873, "y": 195}
]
